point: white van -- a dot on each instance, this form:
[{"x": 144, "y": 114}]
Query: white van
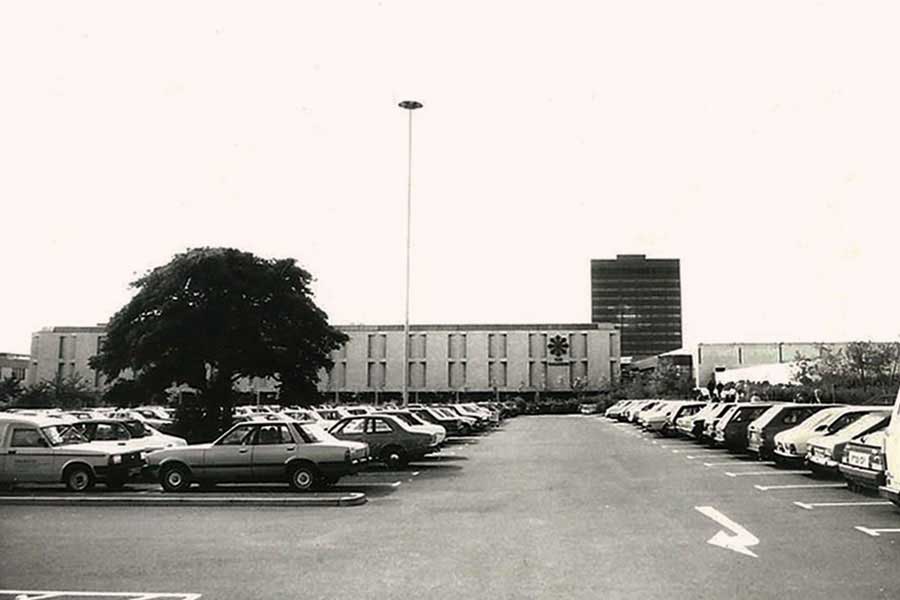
[{"x": 891, "y": 487}]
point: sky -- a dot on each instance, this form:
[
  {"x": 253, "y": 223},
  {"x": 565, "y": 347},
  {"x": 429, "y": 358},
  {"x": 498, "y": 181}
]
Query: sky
[{"x": 756, "y": 141}]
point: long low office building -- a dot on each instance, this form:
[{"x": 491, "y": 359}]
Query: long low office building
[{"x": 497, "y": 358}]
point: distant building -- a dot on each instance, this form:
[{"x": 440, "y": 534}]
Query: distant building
[
  {"x": 642, "y": 297},
  {"x": 712, "y": 358},
  {"x": 680, "y": 362},
  {"x": 442, "y": 358},
  {"x": 64, "y": 352},
  {"x": 14, "y": 366},
  {"x": 445, "y": 359}
]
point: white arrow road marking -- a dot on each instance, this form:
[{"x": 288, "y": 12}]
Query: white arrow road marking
[
  {"x": 799, "y": 486},
  {"x": 739, "y": 542},
  {"x": 749, "y": 473},
  {"x": 811, "y": 505},
  {"x": 875, "y": 532},
  {"x": 737, "y": 464}
]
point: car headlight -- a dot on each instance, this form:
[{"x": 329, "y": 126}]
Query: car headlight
[
  {"x": 144, "y": 455},
  {"x": 115, "y": 459}
]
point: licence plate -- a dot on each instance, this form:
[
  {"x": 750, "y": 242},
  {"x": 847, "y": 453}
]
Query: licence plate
[{"x": 858, "y": 459}]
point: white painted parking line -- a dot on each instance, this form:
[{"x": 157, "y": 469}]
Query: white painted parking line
[
  {"x": 799, "y": 486},
  {"x": 38, "y": 594},
  {"x": 758, "y": 473},
  {"x": 736, "y": 463},
  {"x": 875, "y": 532},
  {"x": 811, "y": 505}
]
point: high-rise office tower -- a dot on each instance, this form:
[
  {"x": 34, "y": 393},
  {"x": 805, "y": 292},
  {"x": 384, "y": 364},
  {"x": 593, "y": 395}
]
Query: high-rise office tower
[{"x": 643, "y": 298}]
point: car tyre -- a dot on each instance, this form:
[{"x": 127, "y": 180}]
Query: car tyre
[
  {"x": 394, "y": 456},
  {"x": 303, "y": 478},
  {"x": 79, "y": 478},
  {"x": 175, "y": 478}
]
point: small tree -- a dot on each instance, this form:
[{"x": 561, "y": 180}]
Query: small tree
[{"x": 63, "y": 392}]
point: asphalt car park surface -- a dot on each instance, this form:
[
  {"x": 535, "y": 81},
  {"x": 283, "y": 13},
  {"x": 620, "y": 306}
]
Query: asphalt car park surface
[{"x": 547, "y": 507}]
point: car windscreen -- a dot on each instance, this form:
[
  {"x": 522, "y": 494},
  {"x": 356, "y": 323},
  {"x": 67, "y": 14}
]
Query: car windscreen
[
  {"x": 136, "y": 428},
  {"x": 59, "y": 435},
  {"x": 312, "y": 432},
  {"x": 863, "y": 423},
  {"x": 766, "y": 417}
]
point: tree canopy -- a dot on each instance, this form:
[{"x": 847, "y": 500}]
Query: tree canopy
[{"x": 214, "y": 315}]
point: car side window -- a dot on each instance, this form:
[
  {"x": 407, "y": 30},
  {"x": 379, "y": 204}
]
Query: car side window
[
  {"x": 354, "y": 426},
  {"x": 270, "y": 435},
  {"x": 27, "y": 438},
  {"x": 792, "y": 416},
  {"x": 380, "y": 426},
  {"x": 237, "y": 437}
]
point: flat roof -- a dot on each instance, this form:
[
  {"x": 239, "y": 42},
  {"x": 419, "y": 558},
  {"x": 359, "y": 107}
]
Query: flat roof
[{"x": 482, "y": 327}]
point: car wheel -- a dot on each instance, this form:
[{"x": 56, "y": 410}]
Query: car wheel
[
  {"x": 394, "y": 456},
  {"x": 303, "y": 478},
  {"x": 79, "y": 478},
  {"x": 175, "y": 478}
]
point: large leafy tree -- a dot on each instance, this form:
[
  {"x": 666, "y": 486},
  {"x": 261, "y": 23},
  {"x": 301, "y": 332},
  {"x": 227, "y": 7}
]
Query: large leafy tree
[{"x": 214, "y": 315}]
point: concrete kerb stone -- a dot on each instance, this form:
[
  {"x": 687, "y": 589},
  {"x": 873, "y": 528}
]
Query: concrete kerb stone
[{"x": 337, "y": 500}]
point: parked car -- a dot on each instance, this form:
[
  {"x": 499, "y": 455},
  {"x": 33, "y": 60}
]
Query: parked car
[
  {"x": 791, "y": 444},
  {"x": 300, "y": 454},
  {"x": 731, "y": 432},
  {"x": 862, "y": 463},
  {"x": 617, "y": 409},
  {"x": 113, "y": 433},
  {"x": 684, "y": 410},
  {"x": 452, "y": 425},
  {"x": 824, "y": 452},
  {"x": 33, "y": 449},
  {"x": 389, "y": 438},
  {"x": 417, "y": 424},
  {"x": 761, "y": 433},
  {"x": 692, "y": 425},
  {"x": 709, "y": 426},
  {"x": 891, "y": 487}
]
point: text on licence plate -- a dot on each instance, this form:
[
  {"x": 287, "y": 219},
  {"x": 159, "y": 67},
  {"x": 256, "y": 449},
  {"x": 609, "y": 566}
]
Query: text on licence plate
[{"x": 858, "y": 459}]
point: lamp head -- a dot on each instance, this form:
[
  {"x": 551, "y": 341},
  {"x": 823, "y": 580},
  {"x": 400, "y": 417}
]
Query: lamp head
[{"x": 410, "y": 104}]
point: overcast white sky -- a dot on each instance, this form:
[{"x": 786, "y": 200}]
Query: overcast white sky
[{"x": 757, "y": 141}]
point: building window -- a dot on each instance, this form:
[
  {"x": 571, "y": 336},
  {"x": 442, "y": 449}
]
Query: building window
[
  {"x": 496, "y": 345},
  {"x": 537, "y": 345},
  {"x": 416, "y": 374},
  {"x": 537, "y": 374},
  {"x": 456, "y": 346},
  {"x": 375, "y": 376},
  {"x": 457, "y": 374},
  {"x": 497, "y": 373},
  {"x": 377, "y": 346},
  {"x": 578, "y": 345},
  {"x": 417, "y": 346}
]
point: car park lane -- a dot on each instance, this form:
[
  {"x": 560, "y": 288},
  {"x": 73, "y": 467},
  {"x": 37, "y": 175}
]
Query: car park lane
[{"x": 547, "y": 507}]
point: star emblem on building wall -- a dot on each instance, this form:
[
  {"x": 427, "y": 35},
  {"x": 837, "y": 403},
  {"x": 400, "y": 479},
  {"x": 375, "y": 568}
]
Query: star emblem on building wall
[{"x": 558, "y": 346}]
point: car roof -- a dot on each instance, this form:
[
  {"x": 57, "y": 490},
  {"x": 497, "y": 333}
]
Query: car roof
[{"x": 35, "y": 420}]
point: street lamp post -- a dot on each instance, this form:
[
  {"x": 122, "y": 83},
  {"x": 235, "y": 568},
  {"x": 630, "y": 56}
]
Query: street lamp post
[{"x": 408, "y": 105}]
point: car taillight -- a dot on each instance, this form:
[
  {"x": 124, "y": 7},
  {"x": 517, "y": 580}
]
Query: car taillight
[{"x": 877, "y": 460}]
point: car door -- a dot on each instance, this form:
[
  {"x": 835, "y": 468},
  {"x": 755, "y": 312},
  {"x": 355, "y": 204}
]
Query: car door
[
  {"x": 380, "y": 433},
  {"x": 272, "y": 446},
  {"x": 230, "y": 458},
  {"x": 29, "y": 456},
  {"x": 353, "y": 430}
]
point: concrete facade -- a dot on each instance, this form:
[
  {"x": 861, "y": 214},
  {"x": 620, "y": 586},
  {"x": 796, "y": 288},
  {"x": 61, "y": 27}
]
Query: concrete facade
[
  {"x": 713, "y": 357},
  {"x": 64, "y": 352},
  {"x": 476, "y": 358},
  {"x": 443, "y": 358},
  {"x": 14, "y": 366}
]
